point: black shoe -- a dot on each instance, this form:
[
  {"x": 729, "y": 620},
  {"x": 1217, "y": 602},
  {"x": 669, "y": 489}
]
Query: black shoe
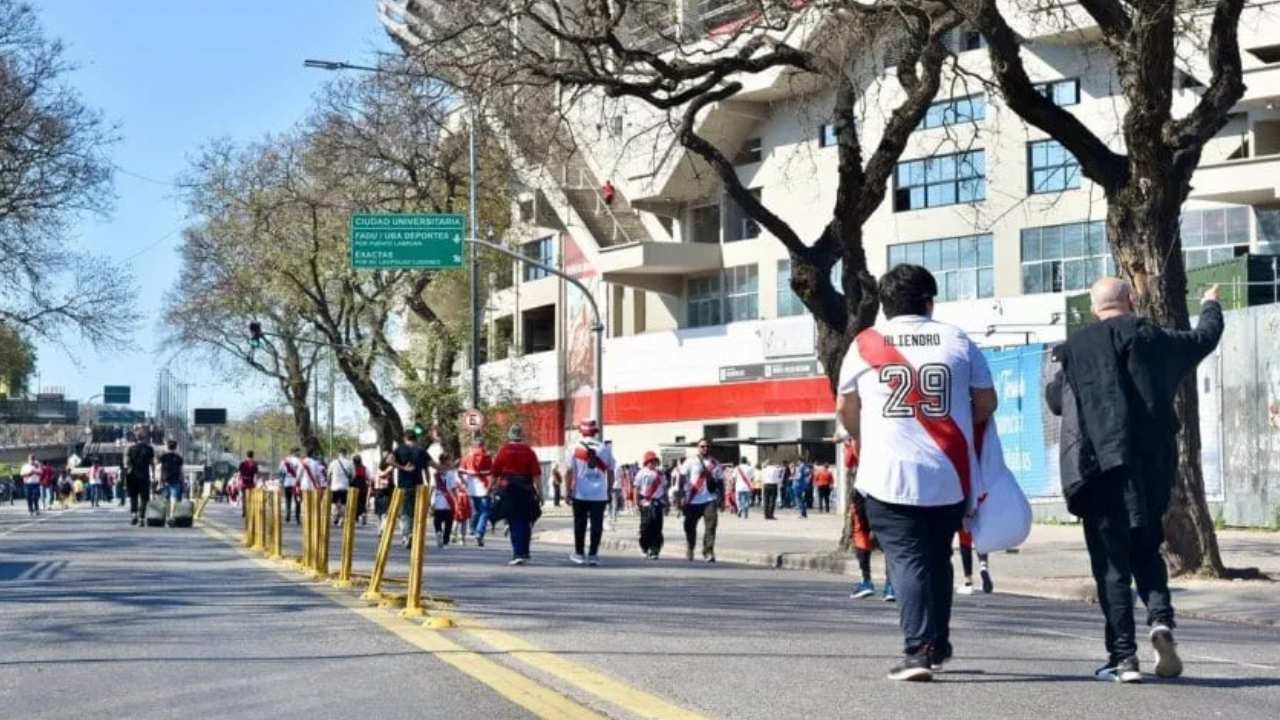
[
  {"x": 133, "y": 520},
  {"x": 479, "y": 541},
  {"x": 913, "y": 668},
  {"x": 1125, "y": 670},
  {"x": 939, "y": 656},
  {"x": 987, "y": 585}
]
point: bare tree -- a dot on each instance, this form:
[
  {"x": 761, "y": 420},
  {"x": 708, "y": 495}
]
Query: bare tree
[
  {"x": 209, "y": 308},
  {"x": 52, "y": 169},
  {"x": 17, "y": 362},
  {"x": 1145, "y": 184},
  {"x": 639, "y": 51}
]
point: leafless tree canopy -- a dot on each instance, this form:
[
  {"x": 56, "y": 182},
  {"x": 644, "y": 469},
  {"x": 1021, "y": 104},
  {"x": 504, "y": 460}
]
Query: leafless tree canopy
[
  {"x": 541, "y": 57},
  {"x": 52, "y": 170}
]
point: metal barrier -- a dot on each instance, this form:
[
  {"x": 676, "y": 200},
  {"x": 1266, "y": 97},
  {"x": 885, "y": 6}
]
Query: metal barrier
[
  {"x": 374, "y": 593},
  {"x": 417, "y": 550},
  {"x": 277, "y": 526},
  {"x": 348, "y": 539},
  {"x": 259, "y": 510},
  {"x": 323, "y": 509}
]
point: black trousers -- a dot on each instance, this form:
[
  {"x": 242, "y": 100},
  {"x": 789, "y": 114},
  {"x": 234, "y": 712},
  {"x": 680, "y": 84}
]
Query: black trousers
[
  {"x": 651, "y": 517},
  {"x": 292, "y": 504},
  {"x": 709, "y": 514},
  {"x": 917, "y": 544},
  {"x": 770, "y": 500},
  {"x": 584, "y": 511},
  {"x": 443, "y": 522},
  {"x": 139, "y": 495},
  {"x": 1121, "y": 556},
  {"x": 824, "y": 498}
]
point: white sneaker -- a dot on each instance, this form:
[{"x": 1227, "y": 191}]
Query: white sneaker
[
  {"x": 1168, "y": 664},
  {"x": 593, "y": 561},
  {"x": 965, "y": 589},
  {"x": 439, "y": 540},
  {"x": 576, "y": 559},
  {"x": 517, "y": 561}
]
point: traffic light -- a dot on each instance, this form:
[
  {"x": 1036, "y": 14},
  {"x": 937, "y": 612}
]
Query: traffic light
[
  {"x": 419, "y": 430},
  {"x": 255, "y": 335}
]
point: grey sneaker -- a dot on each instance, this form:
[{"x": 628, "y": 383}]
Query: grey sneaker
[
  {"x": 1122, "y": 671},
  {"x": 593, "y": 561},
  {"x": 1168, "y": 664},
  {"x": 576, "y": 559}
]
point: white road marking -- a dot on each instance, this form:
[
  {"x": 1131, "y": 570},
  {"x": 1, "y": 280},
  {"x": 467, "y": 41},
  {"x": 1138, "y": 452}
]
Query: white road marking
[{"x": 1206, "y": 658}]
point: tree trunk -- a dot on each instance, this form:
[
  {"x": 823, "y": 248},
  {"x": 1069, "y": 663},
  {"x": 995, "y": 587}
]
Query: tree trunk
[
  {"x": 383, "y": 416},
  {"x": 297, "y": 389},
  {"x": 1143, "y": 228}
]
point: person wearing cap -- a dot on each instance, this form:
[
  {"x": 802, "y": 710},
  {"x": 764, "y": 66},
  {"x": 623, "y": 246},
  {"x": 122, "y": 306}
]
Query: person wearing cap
[
  {"x": 651, "y": 493},
  {"x": 517, "y": 472},
  {"x": 475, "y": 469},
  {"x": 589, "y": 478}
]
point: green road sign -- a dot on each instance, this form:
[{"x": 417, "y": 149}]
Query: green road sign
[
  {"x": 116, "y": 394},
  {"x": 401, "y": 241}
]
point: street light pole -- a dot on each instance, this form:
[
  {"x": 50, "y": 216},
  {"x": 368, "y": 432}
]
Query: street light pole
[
  {"x": 597, "y": 327},
  {"x": 475, "y": 267}
]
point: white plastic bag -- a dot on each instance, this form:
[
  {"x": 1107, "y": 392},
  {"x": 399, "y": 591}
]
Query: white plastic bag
[{"x": 1000, "y": 515}]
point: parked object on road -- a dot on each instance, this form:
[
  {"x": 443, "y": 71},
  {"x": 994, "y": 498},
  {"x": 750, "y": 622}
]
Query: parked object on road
[
  {"x": 156, "y": 511},
  {"x": 183, "y": 515}
]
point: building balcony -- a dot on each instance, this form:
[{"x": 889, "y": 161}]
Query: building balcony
[
  {"x": 659, "y": 267},
  {"x": 1248, "y": 181},
  {"x": 1262, "y": 87}
]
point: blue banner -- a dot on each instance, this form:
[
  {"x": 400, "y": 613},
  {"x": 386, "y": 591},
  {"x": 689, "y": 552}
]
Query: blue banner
[{"x": 1027, "y": 430}]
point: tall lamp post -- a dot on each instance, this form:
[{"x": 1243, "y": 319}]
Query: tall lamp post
[{"x": 473, "y": 115}]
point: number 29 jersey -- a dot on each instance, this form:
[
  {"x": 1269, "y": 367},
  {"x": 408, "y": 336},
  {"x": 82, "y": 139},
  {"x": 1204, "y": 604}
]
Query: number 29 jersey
[{"x": 913, "y": 377}]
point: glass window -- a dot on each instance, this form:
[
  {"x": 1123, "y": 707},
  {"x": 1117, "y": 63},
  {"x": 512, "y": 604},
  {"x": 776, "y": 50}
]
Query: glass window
[
  {"x": 827, "y": 135},
  {"x": 1061, "y": 92},
  {"x": 789, "y": 304},
  {"x": 963, "y": 266},
  {"x": 1050, "y": 168},
  {"x": 970, "y": 108},
  {"x": 1268, "y": 231},
  {"x": 704, "y": 301},
  {"x": 543, "y": 251},
  {"x": 1210, "y": 236},
  {"x": 752, "y": 151},
  {"x": 738, "y": 225},
  {"x": 1062, "y": 258},
  {"x": 939, "y": 181},
  {"x": 704, "y": 224},
  {"x": 742, "y": 293}
]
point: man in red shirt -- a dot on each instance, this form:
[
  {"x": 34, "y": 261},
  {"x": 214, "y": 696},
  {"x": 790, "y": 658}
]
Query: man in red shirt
[
  {"x": 823, "y": 480},
  {"x": 518, "y": 471},
  {"x": 475, "y": 469},
  {"x": 248, "y": 472}
]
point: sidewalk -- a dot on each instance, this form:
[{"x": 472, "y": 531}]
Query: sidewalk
[{"x": 1051, "y": 564}]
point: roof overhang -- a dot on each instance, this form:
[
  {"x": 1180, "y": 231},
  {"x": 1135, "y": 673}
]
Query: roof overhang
[{"x": 659, "y": 267}]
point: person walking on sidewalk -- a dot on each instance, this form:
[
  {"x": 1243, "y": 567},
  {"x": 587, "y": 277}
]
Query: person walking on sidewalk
[
  {"x": 475, "y": 470},
  {"x": 651, "y": 494},
  {"x": 517, "y": 473},
  {"x": 703, "y": 480},
  {"x": 31, "y": 485},
  {"x": 138, "y": 461},
  {"x": 824, "y": 481},
  {"x": 171, "y": 479},
  {"x": 97, "y": 476},
  {"x": 772, "y": 481},
  {"x": 341, "y": 474},
  {"x": 360, "y": 488},
  {"x": 590, "y": 475},
  {"x": 966, "y": 564},
  {"x": 288, "y": 474},
  {"x": 1115, "y": 391},
  {"x": 860, "y": 531},
  {"x": 247, "y": 475},
  {"x": 412, "y": 464},
  {"x": 801, "y": 488},
  {"x": 913, "y": 390},
  {"x": 443, "y": 504},
  {"x": 744, "y": 483}
]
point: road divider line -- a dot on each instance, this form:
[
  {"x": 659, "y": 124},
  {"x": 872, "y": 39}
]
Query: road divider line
[
  {"x": 12, "y": 530},
  {"x": 519, "y": 689},
  {"x": 634, "y": 700}
]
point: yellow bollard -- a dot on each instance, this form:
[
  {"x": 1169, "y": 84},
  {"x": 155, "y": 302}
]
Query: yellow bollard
[
  {"x": 324, "y": 502},
  {"x": 417, "y": 554},
  {"x": 259, "y": 521},
  {"x": 374, "y": 593},
  {"x": 348, "y": 539},
  {"x": 277, "y": 526},
  {"x": 248, "y": 520},
  {"x": 305, "y": 515}
]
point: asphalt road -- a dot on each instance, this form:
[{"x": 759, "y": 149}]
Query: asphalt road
[{"x": 170, "y": 621}]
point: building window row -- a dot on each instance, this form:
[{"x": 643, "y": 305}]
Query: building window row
[
  {"x": 1210, "y": 236},
  {"x": 940, "y": 180},
  {"x": 542, "y": 250},
  {"x": 1064, "y": 258},
  {"x": 732, "y": 296},
  {"x": 963, "y": 266},
  {"x": 1061, "y": 92},
  {"x": 970, "y": 108}
]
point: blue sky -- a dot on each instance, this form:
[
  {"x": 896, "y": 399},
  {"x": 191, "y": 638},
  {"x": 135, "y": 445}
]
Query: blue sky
[{"x": 173, "y": 75}]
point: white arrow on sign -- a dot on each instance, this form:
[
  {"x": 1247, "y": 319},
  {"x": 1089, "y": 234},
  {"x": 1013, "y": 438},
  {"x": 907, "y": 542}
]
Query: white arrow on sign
[
  {"x": 457, "y": 239},
  {"x": 457, "y": 258}
]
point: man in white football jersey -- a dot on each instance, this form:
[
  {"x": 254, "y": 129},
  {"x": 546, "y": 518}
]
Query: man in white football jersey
[{"x": 913, "y": 389}]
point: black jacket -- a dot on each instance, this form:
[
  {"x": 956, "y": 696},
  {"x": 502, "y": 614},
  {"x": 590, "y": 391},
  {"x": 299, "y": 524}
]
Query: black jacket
[{"x": 1124, "y": 373}]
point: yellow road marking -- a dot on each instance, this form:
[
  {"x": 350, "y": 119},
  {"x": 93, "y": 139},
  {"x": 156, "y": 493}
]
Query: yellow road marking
[
  {"x": 519, "y": 689},
  {"x": 639, "y": 702}
]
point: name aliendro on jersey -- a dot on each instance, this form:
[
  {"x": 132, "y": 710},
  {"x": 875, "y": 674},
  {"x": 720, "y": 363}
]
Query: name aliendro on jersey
[{"x": 913, "y": 340}]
